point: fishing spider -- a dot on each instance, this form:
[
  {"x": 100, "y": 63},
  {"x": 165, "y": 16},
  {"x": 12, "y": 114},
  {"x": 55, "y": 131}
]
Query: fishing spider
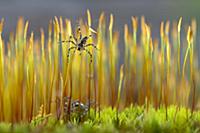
[{"x": 80, "y": 44}]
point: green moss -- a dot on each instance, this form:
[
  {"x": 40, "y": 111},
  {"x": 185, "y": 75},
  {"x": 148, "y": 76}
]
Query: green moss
[{"x": 132, "y": 119}]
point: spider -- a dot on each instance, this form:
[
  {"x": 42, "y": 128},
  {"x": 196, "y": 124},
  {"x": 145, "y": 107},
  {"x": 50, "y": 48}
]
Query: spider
[
  {"x": 80, "y": 44},
  {"x": 76, "y": 107}
]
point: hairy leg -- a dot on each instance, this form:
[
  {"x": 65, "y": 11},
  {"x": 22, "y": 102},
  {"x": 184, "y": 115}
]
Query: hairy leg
[
  {"x": 69, "y": 52},
  {"x": 74, "y": 38},
  {"x": 87, "y": 45},
  {"x": 79, "y": 32},
  {"x": 69, "y": 41},
  {"x": 89, "y": 54}
]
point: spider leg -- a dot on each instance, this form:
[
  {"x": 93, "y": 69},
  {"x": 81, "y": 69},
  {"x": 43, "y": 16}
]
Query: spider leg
[
  {"x": 79, "y": 31},
  {"x": 89, "y": 54},
  {"x": 87, "y": 45},
  {"x": 75, "y": 38},
  {"x": 69, "y": 41},
  {"x": 72, "y": 37},
  {"x": 69, "y": 52}
]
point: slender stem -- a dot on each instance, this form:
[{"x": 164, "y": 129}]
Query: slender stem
[
  {"x": 89, "y": 82},
  {"x": 185, "y": 59}
]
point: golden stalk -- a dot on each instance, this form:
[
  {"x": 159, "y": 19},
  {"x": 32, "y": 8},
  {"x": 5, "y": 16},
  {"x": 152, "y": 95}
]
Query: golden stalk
[
  {"x": 35, "y": 73},
  {"x": 179, "y": 44}
]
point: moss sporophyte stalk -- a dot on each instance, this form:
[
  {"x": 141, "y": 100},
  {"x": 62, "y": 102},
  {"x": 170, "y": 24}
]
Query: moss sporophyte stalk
[{"x": 99, "y": 76}]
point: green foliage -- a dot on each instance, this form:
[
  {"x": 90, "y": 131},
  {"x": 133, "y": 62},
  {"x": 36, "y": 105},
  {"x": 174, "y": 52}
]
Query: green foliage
[{"x": 131, "y": 119}]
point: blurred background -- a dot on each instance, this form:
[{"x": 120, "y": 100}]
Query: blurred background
[{"x": 39, "y": 12}]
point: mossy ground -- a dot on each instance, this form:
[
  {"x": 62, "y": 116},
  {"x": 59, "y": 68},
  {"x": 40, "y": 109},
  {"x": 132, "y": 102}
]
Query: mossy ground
[{"x": 131, "y": 119}]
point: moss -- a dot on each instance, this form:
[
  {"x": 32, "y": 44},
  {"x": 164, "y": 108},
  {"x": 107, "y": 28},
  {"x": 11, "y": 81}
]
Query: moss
[{"x": 131, "y": 119}]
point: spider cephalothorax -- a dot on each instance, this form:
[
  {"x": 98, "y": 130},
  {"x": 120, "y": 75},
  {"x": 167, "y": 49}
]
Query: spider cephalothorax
[{"x": 80, "y": 44}]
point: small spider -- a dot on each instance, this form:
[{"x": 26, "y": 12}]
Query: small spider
[
  {"x": 80, "y": 44},
  {"x": 76, "y": 107}
]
